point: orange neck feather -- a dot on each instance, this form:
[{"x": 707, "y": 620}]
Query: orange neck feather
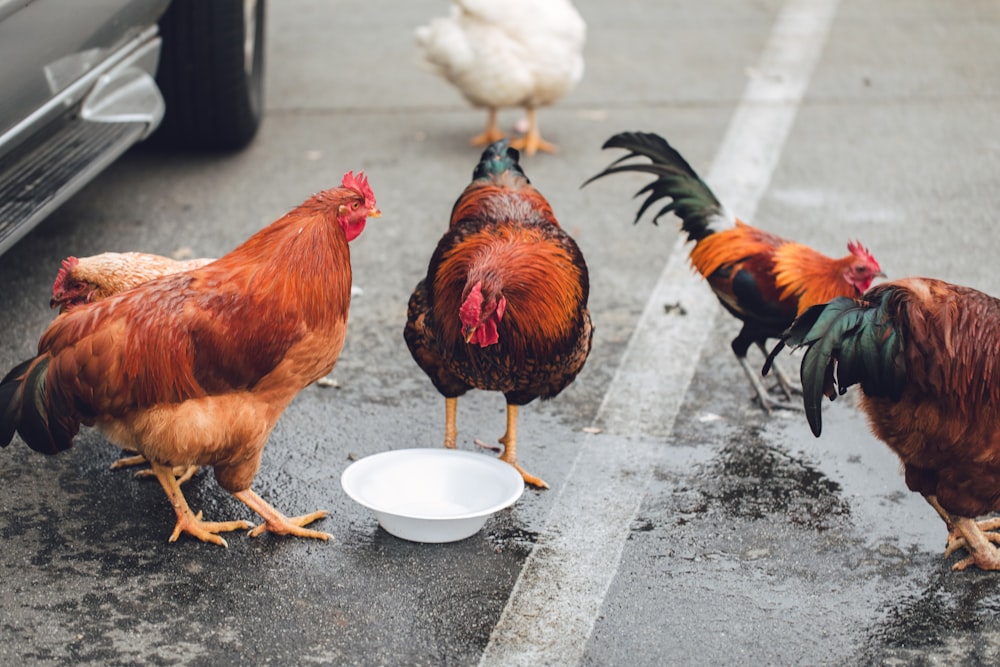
[
  {"x": 811, "y": 276},
  {"x": 541, "y": 286}
]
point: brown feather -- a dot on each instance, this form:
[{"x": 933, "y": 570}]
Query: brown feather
[
  {"x": 504, "y": 234},
  {"x": 195, "y": 367},
  {"x": 944, "y": 426}
]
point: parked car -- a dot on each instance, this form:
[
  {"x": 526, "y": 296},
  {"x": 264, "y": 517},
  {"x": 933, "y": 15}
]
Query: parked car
[{"x": 83, "y": 82}]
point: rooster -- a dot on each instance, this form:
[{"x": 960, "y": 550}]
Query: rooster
[
  {"x": 195, "y": 368},
  {"x": 89, "y": 279},
  {"x": 516, "y": 53},
  {"x": 760, "y": 278},
  {"x": 930, "y": 385},
  {"x": 504, "y": 304}
]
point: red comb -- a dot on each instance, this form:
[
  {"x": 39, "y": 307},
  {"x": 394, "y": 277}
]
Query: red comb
[
  {"x": 360, "y": 185},
  {"x": 855, "y": 248},
  {"x": 68, "y": 265},
  {"x": 858, "y": 250}
]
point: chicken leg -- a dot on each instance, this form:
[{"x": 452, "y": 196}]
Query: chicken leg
[
  {"x": 509, "y": 442},
  {"x": 787, "y": 386},
  {"x": 450, "y": 429},
  {"x": 277, "y": 523},
  {"x": 187, "y": 521},
  {"x": 982, "y": 553},
  {"x": 491, "y": 134},
  {"x": 532, "y": 141},
  {"x": 182, "y": 473},
  {"x": 766, "y": 402},
  {"x": 978, "y": 543}
]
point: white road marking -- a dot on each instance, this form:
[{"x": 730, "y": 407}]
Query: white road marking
[{"x": 556, "y": 601}]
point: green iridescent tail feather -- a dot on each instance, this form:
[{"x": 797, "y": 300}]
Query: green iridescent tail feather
[
  {"x": 11, "y": 397},
  {"x": 690, "y": 198},
  {"x": 848, "y": 342},
  {"x": 26, "y": 407}
]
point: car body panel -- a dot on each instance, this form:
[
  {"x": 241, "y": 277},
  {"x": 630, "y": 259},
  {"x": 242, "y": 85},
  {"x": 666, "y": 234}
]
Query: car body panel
[{"x": 47, "y": 45}]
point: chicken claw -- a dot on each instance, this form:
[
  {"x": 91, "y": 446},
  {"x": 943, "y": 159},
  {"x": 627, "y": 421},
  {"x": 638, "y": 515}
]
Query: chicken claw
[
  {"x": 205, "y": 530},
  {"x": 485, "y": 445},
  {"x": 277, "y": 523},
  {"x": 187, "y": 521},
  {"x": 532, "y": 141},
  {"x": 979, "y": 544},
  {"x": 528, "y": 477},
  {"x": 491, "y": 134},
  {"x": 128, "y": 462},
  {"x": 509, "y": 442},
  {"x": 982, "y": 553},
  {"x": 765, "y": 401}
]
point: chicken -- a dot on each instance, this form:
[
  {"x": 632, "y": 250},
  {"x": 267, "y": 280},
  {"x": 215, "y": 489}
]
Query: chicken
[
  {"x": 504, "y": 304},
  {"x": 517, "y": 53},
  {"x": 89, "y": 279},
  {"x": 929, "y": 386},
  {"x": 100, "y": 276},
  {"x": 759, "y": 278},
  {"x": 195, "y": 368}
]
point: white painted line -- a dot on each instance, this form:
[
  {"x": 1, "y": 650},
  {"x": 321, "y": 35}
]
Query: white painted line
[{"x": 558, "y": 596}]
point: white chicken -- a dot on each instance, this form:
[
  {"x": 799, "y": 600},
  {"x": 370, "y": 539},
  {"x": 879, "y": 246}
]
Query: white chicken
[{"x": 514, "y": 53}]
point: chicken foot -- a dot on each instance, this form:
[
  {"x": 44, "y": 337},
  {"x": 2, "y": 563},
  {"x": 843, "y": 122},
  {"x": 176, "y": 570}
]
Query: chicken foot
[
  {"x": 983, "y": 535},
  {"x": 788, "y": 388},
  {"x": 766, "y": 402},
  {"x": 277, "y": 523},
  {"x": 491, "y": 134},
  {"x": 532, "y": 141},
  {"x": 509, "y": 442},
  {"x": 955, "y": 539},
  {"x": 182, "y": 473},
  {"x": 508, "y": 439},
  {"x": 187, "y": 521},
  {"x": 980, "y": 545}
]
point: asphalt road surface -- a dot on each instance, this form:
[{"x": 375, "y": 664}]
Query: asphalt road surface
[{"x": 683, "y": 525}]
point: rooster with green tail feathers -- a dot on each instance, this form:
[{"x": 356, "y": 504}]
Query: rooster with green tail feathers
[{"x": 925, "y": 355}]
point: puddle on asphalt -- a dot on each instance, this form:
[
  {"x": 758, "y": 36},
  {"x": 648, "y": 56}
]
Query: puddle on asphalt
[
  {"x": 751, "y": 479},
  {"x": 508, "y": 534},
  {"x": 952, "y": 621}
]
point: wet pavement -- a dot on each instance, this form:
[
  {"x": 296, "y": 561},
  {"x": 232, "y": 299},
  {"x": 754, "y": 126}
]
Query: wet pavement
[{"x": 698, "y": 532}]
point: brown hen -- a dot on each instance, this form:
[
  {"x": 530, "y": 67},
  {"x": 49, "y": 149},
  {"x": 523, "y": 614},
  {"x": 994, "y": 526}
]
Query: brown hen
[{"x": 195, "y": 368}]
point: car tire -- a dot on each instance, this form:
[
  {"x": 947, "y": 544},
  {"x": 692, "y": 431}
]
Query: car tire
[{"x": 211, "y": 74}]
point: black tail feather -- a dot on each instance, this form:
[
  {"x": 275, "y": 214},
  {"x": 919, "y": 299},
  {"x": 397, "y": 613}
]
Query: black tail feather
[
  {"x": 847, "y": 341},
  {"x": 16, "y": 372},
  {"x": 691, "y": 199},
  {"x": 11, "y": 397},
  {"x": 25, "y": 407}
]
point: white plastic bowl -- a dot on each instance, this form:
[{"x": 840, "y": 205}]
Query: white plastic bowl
[{"x": 432, "y": 495}]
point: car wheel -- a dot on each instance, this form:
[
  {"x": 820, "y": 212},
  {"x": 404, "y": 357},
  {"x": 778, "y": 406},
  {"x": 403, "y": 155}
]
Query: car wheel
[{"x": 211, "y": 73}]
